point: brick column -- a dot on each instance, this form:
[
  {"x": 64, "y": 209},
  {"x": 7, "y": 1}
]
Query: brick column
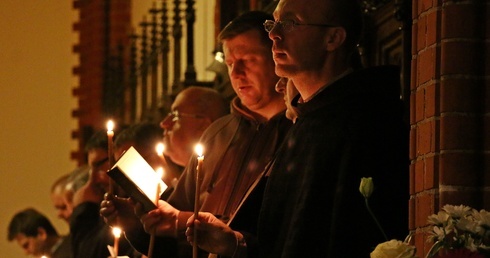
[{"x": 449, "y": 110}]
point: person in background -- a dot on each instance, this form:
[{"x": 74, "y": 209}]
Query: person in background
[
  {"x": 237, "y": 147},
  {"x": 36, "y": 235},
  {"x": 63, "y": 189},
  {"x": 90, "y": 234},
  {"x": 192, "y": 111},
  {"x": 287, "y": 88},
  {"x": 350, "y": 125}
]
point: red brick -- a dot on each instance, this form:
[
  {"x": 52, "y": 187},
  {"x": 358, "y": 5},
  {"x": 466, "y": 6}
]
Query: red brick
[
  {"x": 414, "y": 45},
  {"x": 424, "y": 5},
  {"x": 421, "y": 33},
  {"x": 459, "y": 95},
  {"x": 432, "y": 100},
  {"x": 413, "y": 141},
  {"x": 460, "y": 132},
  {"x": 419, "y": 105},
  {"x": 465, "y": 26},
  {"x": 459, "y": 169},
  {"x": 427, "y": 134},
  {"x": 424, "y": 206},
  {"x": 412, "y": 178},
  {"x": 426, "y": 65},
  {"x": 413, "y": 75},
  {"x": 433, "y": 28},
  {"x": 411, "y": 213},
  {"x": 459, "y": 57},
  {"x": 419, "y": 176},
  {"x": 431, "y": 172},
  {"x": 468, "y": 197}
]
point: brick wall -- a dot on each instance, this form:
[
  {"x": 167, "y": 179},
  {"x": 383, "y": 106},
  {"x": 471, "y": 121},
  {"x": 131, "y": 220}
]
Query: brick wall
[{"x": 450, "y": 111}]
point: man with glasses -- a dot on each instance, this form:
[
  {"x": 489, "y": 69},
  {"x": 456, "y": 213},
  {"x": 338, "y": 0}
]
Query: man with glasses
[
  {"x": 192, "y": 111},
  {"x": 237, "y": 147},
  {"x": 350, "y": 125}
]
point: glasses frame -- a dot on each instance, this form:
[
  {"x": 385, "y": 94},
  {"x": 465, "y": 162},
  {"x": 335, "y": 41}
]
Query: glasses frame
[
  {"x": 176, "y": 115},
  {"x": 269, "y": 25}
]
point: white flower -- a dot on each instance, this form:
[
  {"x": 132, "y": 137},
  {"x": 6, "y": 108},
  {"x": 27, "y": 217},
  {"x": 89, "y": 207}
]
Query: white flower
[
  {"x": 439, "y": 219},
  {"x": 393, "y": 249},
  {"x": 457, "y": 212}
]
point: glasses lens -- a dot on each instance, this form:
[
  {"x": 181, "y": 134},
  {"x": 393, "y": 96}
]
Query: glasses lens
[
  {"x": 269, "y": 25},
  {"x": 287, "y": 25}
]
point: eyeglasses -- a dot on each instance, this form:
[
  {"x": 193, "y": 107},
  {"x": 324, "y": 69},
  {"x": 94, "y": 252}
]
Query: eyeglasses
[
  {"x": 176, "y": 115},
  {"x": 288, "y": 25}
]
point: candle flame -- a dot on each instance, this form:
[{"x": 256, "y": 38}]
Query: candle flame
[
  {"x": 160, "y": 148},
  {"x": 160, "y": 172},
  {"x": 116, "y": 231},
  {"x": 199, "y": 150},
  {"x": 110, "y": 125}
]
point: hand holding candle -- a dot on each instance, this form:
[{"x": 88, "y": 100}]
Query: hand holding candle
[{"x": 200, "y": 158}]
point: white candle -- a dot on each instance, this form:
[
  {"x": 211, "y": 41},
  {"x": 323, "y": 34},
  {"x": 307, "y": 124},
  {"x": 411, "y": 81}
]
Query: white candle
[
  {"x": 117, "y": 234},
  {"x": 159, "y": 172},
  {"x": 160, "y": 148},
  {"x": 110, "y": 155},
  {"x": 200, "y": 158}
]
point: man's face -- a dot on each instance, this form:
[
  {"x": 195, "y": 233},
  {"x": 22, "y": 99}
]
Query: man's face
[
  {"x": 32, "y": 245},
  {"x": 182, "y": 128},
  {"x": 287, "y": 88},
  {"x": 99, "y": 164},
  {"x": 301, "y": 48},
  {"x": 251, "y": 69},
  {"x": 63, "y": 208}
]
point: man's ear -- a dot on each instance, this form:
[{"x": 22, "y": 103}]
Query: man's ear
[
  {"x": 335, "y": 38},
  {"x": 41, "y": 233}
]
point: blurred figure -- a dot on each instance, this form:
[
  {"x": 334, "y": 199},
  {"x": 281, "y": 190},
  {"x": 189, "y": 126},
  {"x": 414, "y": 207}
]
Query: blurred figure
[
  {"x": 63, "y": 189},
  {"x": 36, "y": 235},
  {"x": 193, "y": 110},
  {"x": 90, "y": 234},
  {"x": 287, "y": 88}
]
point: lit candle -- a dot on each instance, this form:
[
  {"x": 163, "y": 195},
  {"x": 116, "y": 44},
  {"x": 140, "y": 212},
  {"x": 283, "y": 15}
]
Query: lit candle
[
  {"x": 200, "y": 158},
  {"x": 110, "y": 136},
  {"x": 159, "y": 172},
  {"x": 160, "y": 148},
  {"x": 117, "y": 234}
]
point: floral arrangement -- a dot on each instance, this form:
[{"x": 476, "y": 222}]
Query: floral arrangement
[
  {"x": 459, "y": 230},
  {"x": 456, "y": 231}
]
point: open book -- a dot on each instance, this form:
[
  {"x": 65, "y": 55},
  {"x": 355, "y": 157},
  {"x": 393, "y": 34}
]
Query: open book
[{"x": 138, "y": 179}]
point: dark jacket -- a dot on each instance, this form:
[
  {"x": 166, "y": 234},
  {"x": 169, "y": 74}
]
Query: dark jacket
[
  {"x": 90, "y": 235},
  {"x": 312, "y": 207},
  {"x": 237, "y": 149}
]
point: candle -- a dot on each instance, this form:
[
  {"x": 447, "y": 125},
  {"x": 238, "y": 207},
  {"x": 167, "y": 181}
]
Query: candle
[
  {"x": 110, "y": 136},
  {"x": 200, "y": 158},
  {"x": 160, "y": 148},
  {"x": 117, "y": 234},
  {"x": 159, "y": 188}
]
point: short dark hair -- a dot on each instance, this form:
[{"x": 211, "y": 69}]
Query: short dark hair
[
  {"x": 250, "y": 20},
  {"x": 28, "y": 222},
  {"x": 144, "y": 134},
  {"x": 97, "y": 141}
]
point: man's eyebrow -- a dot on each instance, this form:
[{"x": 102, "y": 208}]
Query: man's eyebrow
[{"x": 100, "y": 162}]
